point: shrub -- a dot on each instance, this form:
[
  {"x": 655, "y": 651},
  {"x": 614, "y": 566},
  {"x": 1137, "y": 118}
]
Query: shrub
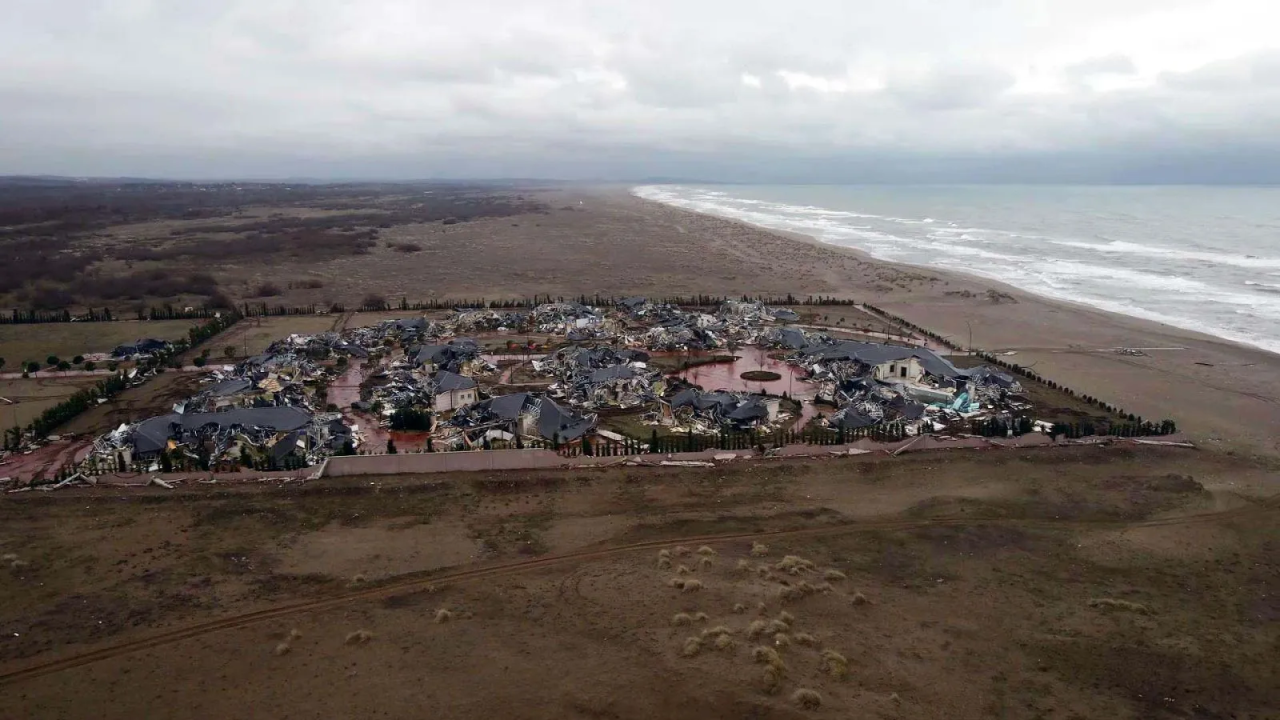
[
  {"x": 664, "y": 563},
  {"x": 805, "y": 639},
  {"x": 443, "y": 616},
  {"x": 704, "y": 550},
  {"x": 701, "y": 617},
  {"x": 834, "y": 664},
  {"x": 767, "y": 656},
  {"x": 756, "y": 628},
  {"x": 744, "y": 565},
  {"x": 682, "y": 551},
  {"x": 692, "y": 646},
  {"x": 759, "y": 549},
  {"x": 834, "y": 575},
  {"x": 281, "y": 649},
  {"x": 860, "y": 599},
  {"x": 680, "y": 619},
  {"x": 359, "y": 637},
  {"x": 691, "y": 586},
  {"x": 267, "y": 289},
  {"x": 772, "y": 682},
  {"x": 739, "y": 608},
  {"x": 807, "y": 699},
  {"x": 705, "y": 562},
  {"x": 781, "y": 640}
]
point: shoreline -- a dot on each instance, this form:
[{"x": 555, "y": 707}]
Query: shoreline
[
  {"x": 1226, "y": 394},
  {"x": 974, "y": 277}
]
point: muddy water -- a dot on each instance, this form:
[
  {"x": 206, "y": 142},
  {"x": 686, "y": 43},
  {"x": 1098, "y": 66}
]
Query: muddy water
[{"x": 728, "y": 375}]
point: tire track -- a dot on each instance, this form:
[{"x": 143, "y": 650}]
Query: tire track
[{"x": 413, "y": 581}]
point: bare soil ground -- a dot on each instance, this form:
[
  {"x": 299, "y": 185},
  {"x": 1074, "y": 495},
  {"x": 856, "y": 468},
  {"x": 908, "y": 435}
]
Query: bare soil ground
[{"x": 1057, "y": 583}]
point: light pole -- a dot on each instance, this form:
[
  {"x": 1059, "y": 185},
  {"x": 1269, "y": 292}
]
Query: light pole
[{"x": 966, "y": 322}]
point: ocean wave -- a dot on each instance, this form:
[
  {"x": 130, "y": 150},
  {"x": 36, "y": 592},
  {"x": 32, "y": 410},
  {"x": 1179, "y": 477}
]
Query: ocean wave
[
  {"x": 1132, "y": 248},
  {"x": 1194, "y": 296}
]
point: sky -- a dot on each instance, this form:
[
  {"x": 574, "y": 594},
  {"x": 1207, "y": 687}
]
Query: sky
[{"x": 727, "y": 90}]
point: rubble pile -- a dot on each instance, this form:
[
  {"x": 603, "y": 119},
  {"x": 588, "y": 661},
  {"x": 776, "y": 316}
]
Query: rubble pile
[
  {"x": 871, "y": 383},
  {"x": 601, "y": 377},
  {"x": 708, "y": 412}
]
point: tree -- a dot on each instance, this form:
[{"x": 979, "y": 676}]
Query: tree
[
  {"x": 77, "y": 360},
  {"x": 63, "y": 365},
  {"x": 348, "y": 447},
  {"x": 91, "y": 366},
  {"x": 391, "y": 446},
  {"x": 1, "y": 363},
  {"x": 33, "y": 367},
  {"x": 229, "y": 352},
  {"x": 166, "y": 462},
  {"x": 51, "y": 360},
  {"x": 204, "y": 353},
  {"x": 653, "y": 441},
  {"x": 199, "y": 361},
  {"x": 246, "y": 460}
]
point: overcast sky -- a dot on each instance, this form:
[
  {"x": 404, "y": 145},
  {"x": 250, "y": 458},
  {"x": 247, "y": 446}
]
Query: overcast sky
[{"x": 798, "y": 90}]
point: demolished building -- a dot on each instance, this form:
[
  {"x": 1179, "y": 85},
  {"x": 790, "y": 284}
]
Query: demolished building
[{"x": 732, "y": 410}]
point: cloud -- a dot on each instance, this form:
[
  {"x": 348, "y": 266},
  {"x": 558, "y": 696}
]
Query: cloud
[{"x": 612, "y": 89}]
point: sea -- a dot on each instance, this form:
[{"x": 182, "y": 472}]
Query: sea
[{"x": 1194, "y": 257}]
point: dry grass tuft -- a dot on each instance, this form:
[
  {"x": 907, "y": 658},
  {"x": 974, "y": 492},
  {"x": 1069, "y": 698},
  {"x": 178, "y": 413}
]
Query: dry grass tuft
[
  {"x": 664, "y": 553},
  {"x": 759, "y": 549},
  {"x": 788, "y": 593},
  {"x": 757, "y": 628},
  {"x": 781, "y": 640},
  {"x": 717, "y": 630},
  {"x": 358, "y": 579},
  {"x": 794, "y": 565},
  {"x": 691, "y": 586},
  {"x": 443, "y": 616},
  {"x": 893, "y": 698},
  {"x": 767, "y": 656},
  {"x": 762, "y": 608},
  {"x": 702, "y": 617},
  {"x": 860, "y": 599},
  {"x": 772, "y": 684},
  {"x": 777, "y": 626},
  {"x": 281, "y": 649},
  {"x": 683, "y": 570},
  {"x": 692, "y": 646},
  {"x": 804, "y": 587},
  {"x": 676, "y": 582},
  {"x": 359, "y": 637},
  {"x": 805, "y": 639},
  {"x": 834, "y": 576},
  {"x": 295, "y": 634},
  {"x": 834, "y": 664},
  {"x": 1123, "y": 605},
  {"x": 8, "y": 557},
  {"x": 807, "y": 699},
  {"x": 682, "y": 551},
  {"x": 722, "y": 642},
  {"x": 707, "y": 551},
  {"x": 664, "y": 563},
  {"x": 744, "y": 565},
  {"x": 823, "y": 587},
  {"x": 681, "y": 619},
  {"x": 763, "y": 570},
  {"x": 705, "y": 562},
  {"x": 739, "y": 608},
  {"x": 787, "y": 617}
]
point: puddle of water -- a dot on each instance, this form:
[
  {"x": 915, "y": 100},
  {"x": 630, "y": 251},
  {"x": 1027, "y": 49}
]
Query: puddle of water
[{"x": 728, "y": 375}]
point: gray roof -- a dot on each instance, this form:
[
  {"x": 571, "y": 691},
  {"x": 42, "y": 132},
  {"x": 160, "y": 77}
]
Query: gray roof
[
  {"x": 228, "y": 387},
  {"x": 877, "y": 354},
  {"x": 153, "y": 435},
  {"x": 446, "y": 381},
  {"x": 509, "y": 407},
  {"x": 554, "y": 421},
  {"x": 285, "y": 446}
]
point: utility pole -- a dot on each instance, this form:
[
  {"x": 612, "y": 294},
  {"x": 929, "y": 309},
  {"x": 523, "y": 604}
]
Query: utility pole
[{"x": 970, "y": 348}]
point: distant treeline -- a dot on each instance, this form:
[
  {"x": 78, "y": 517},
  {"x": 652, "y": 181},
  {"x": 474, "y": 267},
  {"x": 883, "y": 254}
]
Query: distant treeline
[{"x": 376, "y": 303}]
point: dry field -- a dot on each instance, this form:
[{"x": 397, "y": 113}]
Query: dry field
[
  {"x": 1066, "y": 583},
  {"x": 22, "y": 401},
  {"x": 252, "y": 335},
  {"x": 66, "y": 340}
]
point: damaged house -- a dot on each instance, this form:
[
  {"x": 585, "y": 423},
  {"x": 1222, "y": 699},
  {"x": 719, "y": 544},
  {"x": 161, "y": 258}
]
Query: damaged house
[
  {"x": 264, "y": 432},
  {"x": 522, "y": 414},
  {"x": 451, "y": 391},
  {"x": 139, "y": 348},
  {"x": 461, "y": 355},
  {"x": 736, "y": 411}
]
